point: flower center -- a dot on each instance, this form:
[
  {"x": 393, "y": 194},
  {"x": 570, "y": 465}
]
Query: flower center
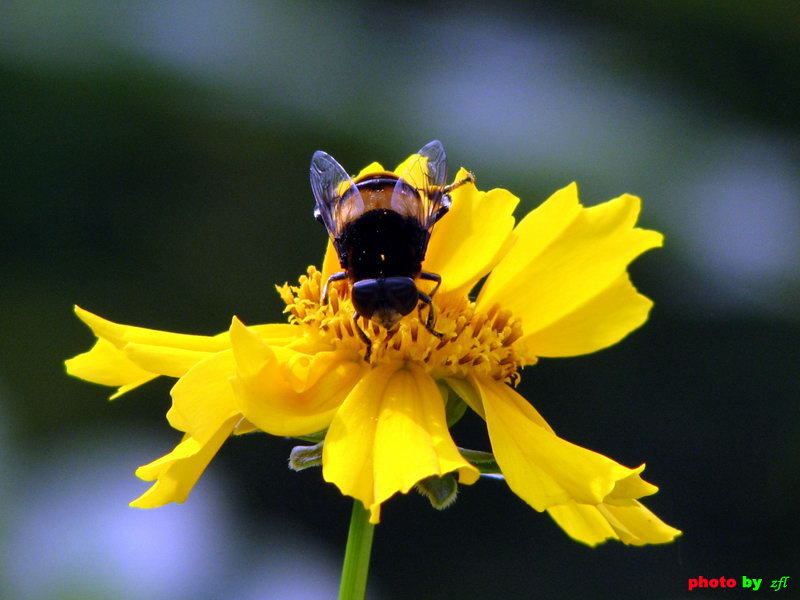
[{"x": 472, "y": 342}]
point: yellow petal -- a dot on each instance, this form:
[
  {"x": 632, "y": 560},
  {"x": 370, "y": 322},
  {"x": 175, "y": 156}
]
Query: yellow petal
[
  {"x": 390, "y": 433},
  {"x": 278, "y": 334},
  {"x": 249, "y": 350},
  {"x": 602, "y": 321},
  {"x": 541, "y": 468},
  {"x": 176, "y": 473},
  {"x": 373, "y": 167},
  {"x": 412, "y": 170},
  {"x": 631, "y": 524},
  {"x": 471, "y": 237},
  {"x": 531, "y": 236},
  {"x": 286, "y": 392},
  {"x": 244, "y": 426},
  {"x": 465, "y": 390},
  {"x": 632, "y": 487},
  {"x": 107, "y": 365},
  {"x": 127, "y": 356},
  {"x": 172, "y": 362},
  {"x": 120, "y": 335},
  {"x": 203, "y": 397},
  {"x": 568, "y": 263}
]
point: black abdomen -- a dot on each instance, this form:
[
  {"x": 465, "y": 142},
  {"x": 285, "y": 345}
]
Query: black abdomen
[{"x": 383, "y": 243}]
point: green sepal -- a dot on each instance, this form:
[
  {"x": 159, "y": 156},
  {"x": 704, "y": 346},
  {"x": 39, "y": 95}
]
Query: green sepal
[
  {"x": 305, "y": 457},
  {"x": 312, "y": 437},
  {"x": 441, "y": 491},
  {"x": 484, "y": 461},
  {"x": 454, "y": 406}
]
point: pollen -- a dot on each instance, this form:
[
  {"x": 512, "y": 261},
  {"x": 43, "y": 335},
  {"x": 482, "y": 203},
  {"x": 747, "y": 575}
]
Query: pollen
[{"x": 472, "y": 342}]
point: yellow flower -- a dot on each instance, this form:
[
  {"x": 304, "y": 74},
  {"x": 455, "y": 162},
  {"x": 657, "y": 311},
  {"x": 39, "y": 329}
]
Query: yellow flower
[{"x": 557, "y": 285}]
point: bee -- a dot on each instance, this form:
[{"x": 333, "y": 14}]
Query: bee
[{"x": 380, "y": 225}]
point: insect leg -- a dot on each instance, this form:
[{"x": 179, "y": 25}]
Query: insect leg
[
  {"x": 470, "y": 178},
  {"x": 335, "y": 277},
  {"x": 430, "y": 320},
  {"x": 445, "y": 198},
  {"x": 363, "y": 337},
  {"x": 431, "y": 277}
]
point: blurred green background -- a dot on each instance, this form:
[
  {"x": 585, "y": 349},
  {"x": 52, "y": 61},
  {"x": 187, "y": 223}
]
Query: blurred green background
[{"x": 154, "y": 167}]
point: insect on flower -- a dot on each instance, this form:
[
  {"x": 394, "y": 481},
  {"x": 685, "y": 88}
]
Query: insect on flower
[
  {"x": 555, "y": 284},
  {"x": 380, "y": 225}
]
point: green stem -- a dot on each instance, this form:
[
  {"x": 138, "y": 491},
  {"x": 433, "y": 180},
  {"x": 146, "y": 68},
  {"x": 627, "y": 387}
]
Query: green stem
[{"x": 356, "y": 556}]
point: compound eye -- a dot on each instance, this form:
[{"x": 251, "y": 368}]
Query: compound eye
[
  {"x": 401, "y": 294},
  {"x": 366, "y": 297}
]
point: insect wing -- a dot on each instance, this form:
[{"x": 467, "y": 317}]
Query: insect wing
[
  {"x": 337, "y": 197},
  {"x": 426, "y": 174}
]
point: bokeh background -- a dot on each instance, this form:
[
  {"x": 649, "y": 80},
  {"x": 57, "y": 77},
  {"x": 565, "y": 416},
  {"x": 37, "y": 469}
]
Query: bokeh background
[{"x": 154, "y": 170}]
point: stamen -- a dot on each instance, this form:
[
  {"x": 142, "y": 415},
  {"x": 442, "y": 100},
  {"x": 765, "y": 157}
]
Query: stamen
[{"x": 481, "y": 343}]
